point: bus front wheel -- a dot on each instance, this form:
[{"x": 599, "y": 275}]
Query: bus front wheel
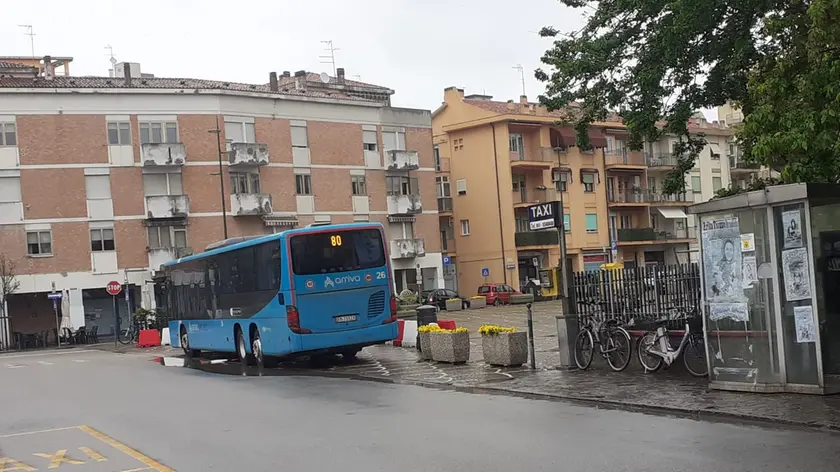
[{"x": 185, "y": 344}]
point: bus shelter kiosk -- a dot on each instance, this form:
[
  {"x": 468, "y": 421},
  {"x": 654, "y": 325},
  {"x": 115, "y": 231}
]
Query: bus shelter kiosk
[{"x": 770, "y": 265}]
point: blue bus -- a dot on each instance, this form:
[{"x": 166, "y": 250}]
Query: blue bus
[{"x": 310, "y": 291}]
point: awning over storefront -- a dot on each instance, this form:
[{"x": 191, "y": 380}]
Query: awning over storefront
[
  {"x": 672, "y": 213},
  {"x": 597, "y": 139}
]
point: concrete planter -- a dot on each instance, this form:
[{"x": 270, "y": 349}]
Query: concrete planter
[
  {"x": 454, "y": 305},
  {"x": 453, "y": 348},
  {"x": 479, "y": 302},
  {"x": 425, "y": 346},
  {"x": 521, "y": 299},
  {"x": 505, "y": 349}
]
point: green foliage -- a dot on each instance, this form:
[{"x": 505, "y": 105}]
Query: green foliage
[
  {"x": 757, "y": 184},
  {"x": 655, "y": 63}
]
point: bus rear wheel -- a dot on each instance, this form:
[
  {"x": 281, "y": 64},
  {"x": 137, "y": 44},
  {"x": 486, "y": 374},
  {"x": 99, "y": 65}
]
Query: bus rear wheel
[{"x": 241, "y": 350}]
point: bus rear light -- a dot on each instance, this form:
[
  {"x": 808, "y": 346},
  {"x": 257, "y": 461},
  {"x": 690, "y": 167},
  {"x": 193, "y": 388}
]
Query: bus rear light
[
  {"x": 393, "y": 317},
  {"x": 293, "y": 320}
]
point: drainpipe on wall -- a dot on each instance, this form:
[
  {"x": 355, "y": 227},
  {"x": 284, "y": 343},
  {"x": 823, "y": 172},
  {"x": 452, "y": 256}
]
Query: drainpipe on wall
[{"x": 499, "y": 201}]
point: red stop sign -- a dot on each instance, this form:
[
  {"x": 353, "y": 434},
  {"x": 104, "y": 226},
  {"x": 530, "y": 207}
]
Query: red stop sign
[{"x": 113, "y": 288}]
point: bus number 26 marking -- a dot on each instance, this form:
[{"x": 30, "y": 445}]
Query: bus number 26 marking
[{"x": 380, "y": 275}]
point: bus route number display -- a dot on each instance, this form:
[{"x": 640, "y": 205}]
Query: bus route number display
[{"x": 335, "y": 240}]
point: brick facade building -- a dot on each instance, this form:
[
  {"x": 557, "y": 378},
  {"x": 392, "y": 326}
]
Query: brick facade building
[{"x": 106, "y": 178}]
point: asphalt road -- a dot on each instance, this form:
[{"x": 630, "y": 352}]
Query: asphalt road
[{"x": 100, "y": 411}]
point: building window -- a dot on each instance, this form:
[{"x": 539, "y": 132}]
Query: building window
[
  {"x": 522, "y": 224},
  {"x": 591, "y": 222},
  {"x": 299, "y": 138},
  {"x": 163, "y": 184},
  {"x": 567, "y": 223},
  {"x": 436, "y": 152},
  {"x": 400, "y": 185},
  {"x": 357, "y": 184},
  {"x": 695, "y": 183},
  {"x": 393, "y": 140},
  {"x": 239, "y": 132},
  {"x": 561, "y": 181},
  {"x": 161, "y": 237},
  {"x": 465, "y": 227},
  {"x": 119, "y": 134},
  {"x": 588, "y": 182},
  {"x": 244, "y": 182},
  {"x": 517, "y": 144},
  {"x": 39, "y": 243},
  {"x": 101, "y": 240},
  {"x": 717, "y": 184},
  {"x": 303, "y": 184},
  {"x": 443, "y": 187},
  {"x": 369, "y": 139},
  {"x": 157, "y": 132},
  {"x": 98, "y": 187},
  {"x": 8, "y": 134}
]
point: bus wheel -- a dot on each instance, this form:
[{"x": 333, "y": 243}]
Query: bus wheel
[
  {"x": 244, "y": 357},
  {"x": 185, "y": 344}
]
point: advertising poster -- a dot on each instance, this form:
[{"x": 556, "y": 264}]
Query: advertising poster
[
  {"x": 722, "y": 268},
  {"x": 792, "y": 226},
  {"x": 750, "y": 271},
  {"x": 803, "y": 318},
  {"x": 795, "y": 272}
]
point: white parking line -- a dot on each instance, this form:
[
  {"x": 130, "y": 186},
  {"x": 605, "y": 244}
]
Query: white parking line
[
  {"x": 45, "y": 363},
  {"x": 14, "y": 366}
]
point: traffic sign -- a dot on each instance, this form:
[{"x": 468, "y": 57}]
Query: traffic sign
[
  {"x": 113, "y": 288},
  {"x": 485, "y": 272},
  {"x": 447, "y": 260},
  {"x": 54, "y": 296}
]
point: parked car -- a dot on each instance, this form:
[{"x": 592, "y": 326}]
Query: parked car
[
  {"x": 438, "y": 298},
  {"x": 497, "y": 294}
]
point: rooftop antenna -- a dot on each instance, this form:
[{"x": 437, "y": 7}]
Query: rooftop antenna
[
  {"x": 30, "y": 32},
  {"x": 113, "y": 69},
  {"x": 521, "y": 75},
  {"x": 331, "y": 58}
]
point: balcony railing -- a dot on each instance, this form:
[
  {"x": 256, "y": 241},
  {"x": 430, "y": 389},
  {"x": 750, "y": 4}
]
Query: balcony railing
[
  {"x": 244, "y": 204},
  {"x": 248, "y": 154},
  {"x": 163, "y": 154},
  {"x": 399, "y": 160},
  {"x": 444, "y": 204},
  {"x": 739, "y": 164},
  {"x": 447, "y": 244},
  {"x": 628, "y": 196},
  {"x": 407, "y": 248},
  {"x": 623, "y": 157},
  {"x": 167, "y": 206},
  {"x": 543, "y": 156},
  {"x": 534, "y": 196},
  {"x": 536, "y": 238},
  {"x": 404, "y": 204},
  {"x": 660, "y": 160},
  {"x": 654, "y": 197},
  {"x": 628, "y": 235}
]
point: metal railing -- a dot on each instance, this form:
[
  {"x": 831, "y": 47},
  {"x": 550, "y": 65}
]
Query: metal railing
[
  {"x": 628, "y": 235},
  {"x": 660, "y": 160},
  {"x": 536, "y": 238},
  {"x": 628, "y": 196},
  {"x": 655, "y": 197},
  {"x": 738, "y": 163},
  {"x": 534, "y": 196}
]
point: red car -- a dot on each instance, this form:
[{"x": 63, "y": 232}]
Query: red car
[{"x": 497, "y": 294}]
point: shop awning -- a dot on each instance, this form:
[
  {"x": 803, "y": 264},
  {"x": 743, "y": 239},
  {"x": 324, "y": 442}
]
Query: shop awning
[
  {"x": 563, "y": 137},
  {"x": 715, "y": 148},
  {"x": 597, "y": 139},
  {"x": 672, "y": 213}
]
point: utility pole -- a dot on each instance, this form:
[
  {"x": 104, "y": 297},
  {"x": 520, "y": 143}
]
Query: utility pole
[
  {"x": 521, "y": 76},
  {"x": 331, "y": 58},
  {"x": 218, "y": 133},
  {"x": 30, "y": 32}
]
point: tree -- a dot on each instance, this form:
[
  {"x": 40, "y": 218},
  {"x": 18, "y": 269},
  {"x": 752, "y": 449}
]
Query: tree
[
  {"x": 656, "y": 63},
  {"x": 9, "y": 282}
]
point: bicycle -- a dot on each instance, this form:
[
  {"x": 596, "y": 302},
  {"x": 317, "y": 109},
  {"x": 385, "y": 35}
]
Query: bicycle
[
  {"x": 613, "y": 341},
  {"x": 655, "y": 349},
  {"x": 129, "y": 335}
]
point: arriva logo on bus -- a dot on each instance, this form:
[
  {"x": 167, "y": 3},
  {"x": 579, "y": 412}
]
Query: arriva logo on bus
[{"x": 329, "y": 282}]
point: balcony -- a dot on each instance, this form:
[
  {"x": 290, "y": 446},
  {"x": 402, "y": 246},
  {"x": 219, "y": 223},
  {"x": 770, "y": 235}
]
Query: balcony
[
  {"x": 544, "y": 158},
  {"x": 661, "y": 199},
  {"x": 402, "y": 161},
  {"x": 167, "y": 206},
  {"x": 407, "y": 248},
  {"x": 523, "y": 197},
  {"x": 250, "y": 204},
  {"x": 624, "y": 159},
  {"x": 661, "y": 161},
  {"x": 161, "y": 255},
  {"x": 641, "y": 236},
  {"x": 632, "y": 197},
  {"x": 404, "y": 204},
  {"x": 163, "y": 154},
  {"x": 447, "y": 244},
  {"x": 738, "y": 166},
  {"x": 444, "y": 204},
  {"x": 536, "y": 238},
  {"x": 248, "y": 154}
]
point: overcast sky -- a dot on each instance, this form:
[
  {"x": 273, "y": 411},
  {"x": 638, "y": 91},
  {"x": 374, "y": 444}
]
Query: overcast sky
[{"x": 416, "y": 47}]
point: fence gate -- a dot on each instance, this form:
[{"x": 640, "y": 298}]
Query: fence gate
[{"x": 639, "y": 296}]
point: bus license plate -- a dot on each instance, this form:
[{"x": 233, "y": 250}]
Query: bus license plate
[{"x": 345, "y": 318}]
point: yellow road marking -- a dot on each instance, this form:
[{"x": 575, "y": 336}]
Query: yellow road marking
[
  {"x": 93, "y": 454},
  {"x": 7, "y": 463},
  {"x": 145, "y": 460},
  {"x": 38, "y": 432},
  {"x": 58, "y": 458}
]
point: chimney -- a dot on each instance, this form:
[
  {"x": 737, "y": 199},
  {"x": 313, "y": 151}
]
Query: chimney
[
  {"x": 127, "y": 73},
  {"x": 523, "y": 99},
  {"x": 300, "y": 80},
  {"x": 510, "y": 105},
  {"x": 286, "y": 73},
  {"x": 340, "y": 73},
  {"x": 272, "y": 81},
  {"x": 49, "y": 70}
]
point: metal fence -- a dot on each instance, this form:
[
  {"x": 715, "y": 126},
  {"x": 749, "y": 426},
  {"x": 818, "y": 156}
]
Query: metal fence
[{"x": 638, "y": 297}]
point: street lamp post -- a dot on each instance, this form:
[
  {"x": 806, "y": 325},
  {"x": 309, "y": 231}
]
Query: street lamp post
[{"x": 218, "y": 133}]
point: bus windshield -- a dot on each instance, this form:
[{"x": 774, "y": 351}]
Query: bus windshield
[{"x": 337, "y": 251}]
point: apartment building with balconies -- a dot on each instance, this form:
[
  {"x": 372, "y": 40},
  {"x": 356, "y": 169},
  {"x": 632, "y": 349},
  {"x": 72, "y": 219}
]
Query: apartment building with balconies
[
  {"x": 494, "y": 159},
  {"x": 106, "y": 178}
]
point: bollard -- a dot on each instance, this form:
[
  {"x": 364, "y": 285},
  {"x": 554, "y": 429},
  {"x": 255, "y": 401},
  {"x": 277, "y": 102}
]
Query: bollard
[
  {"x": 533, "y": 355},
  {"x": 426, "y": 314},
  {"x": 567, "y": 330}
]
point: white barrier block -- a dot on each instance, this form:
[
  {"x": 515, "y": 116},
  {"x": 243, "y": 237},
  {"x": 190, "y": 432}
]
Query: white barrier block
[
  {"x": 164, "y": 337},
  {"x": 173, "y": 361},
  {"x": 410, "y": 334}
]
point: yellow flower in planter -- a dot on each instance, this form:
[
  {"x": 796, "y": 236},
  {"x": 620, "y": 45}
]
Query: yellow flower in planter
[
  {"x": 430, "y": 328},
  {"x": 490, "y": 330}
]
